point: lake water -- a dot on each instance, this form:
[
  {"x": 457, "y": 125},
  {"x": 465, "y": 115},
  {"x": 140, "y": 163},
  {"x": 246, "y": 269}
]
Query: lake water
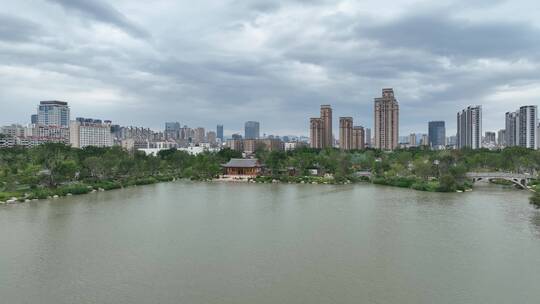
[{"x": 208, "y": 243}]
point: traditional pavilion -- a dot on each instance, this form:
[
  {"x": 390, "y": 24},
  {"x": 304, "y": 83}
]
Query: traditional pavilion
[{"x": 243, "y": 167}]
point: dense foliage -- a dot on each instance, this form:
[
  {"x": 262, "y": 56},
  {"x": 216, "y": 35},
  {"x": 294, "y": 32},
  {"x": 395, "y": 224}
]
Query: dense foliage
[
  {"x": 417, "y": 168},
  {"x": 56, "y": 169}
]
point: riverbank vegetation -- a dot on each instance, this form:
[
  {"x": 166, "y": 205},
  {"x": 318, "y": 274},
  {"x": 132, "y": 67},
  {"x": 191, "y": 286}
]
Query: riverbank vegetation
[
  {"x": 416, "y": 168},
  {"x": 56, "y": 169}
]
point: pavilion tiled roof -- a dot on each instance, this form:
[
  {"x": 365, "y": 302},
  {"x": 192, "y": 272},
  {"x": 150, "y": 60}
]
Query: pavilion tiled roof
[{"x": 242, "y": 163}]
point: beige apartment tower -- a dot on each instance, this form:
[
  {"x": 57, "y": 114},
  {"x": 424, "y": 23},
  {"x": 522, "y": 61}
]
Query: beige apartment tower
[
  {"x": 358, "y": 138},
  {"x": 386, "y": 121},
  {"x": 316, "y": 133},
  {"x": 326, "y": 117},
  {"x": 345, "y": 133}
]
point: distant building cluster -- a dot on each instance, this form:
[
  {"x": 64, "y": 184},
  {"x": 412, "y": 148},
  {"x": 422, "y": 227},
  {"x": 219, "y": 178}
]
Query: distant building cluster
[
  {"x": 353, "y": 137},
  {"x": 52, "y": 123},
  {"x": 521, "y": 129}
]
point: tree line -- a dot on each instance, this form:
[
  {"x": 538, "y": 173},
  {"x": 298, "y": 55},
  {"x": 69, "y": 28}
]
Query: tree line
[
  {"x": 57, "y": 169},
  {"x": 51, "y": 169}
]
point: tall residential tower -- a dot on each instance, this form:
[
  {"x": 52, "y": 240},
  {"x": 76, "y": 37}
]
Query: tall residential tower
[
  {"x": 345, "y": 133},
  {"x": 528, "y": 132},
  {"x": 315, "y": 133},
  {"x": 321, "y": 129},
  {"x": 469, "y": 128},
  {"x": 386, "y": 121},
  {"x": 326, "y": 117}
]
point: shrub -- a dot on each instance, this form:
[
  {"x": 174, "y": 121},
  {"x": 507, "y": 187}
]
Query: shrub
[
  {"x": 40, "y": 193},
  {"x": 432, "y": 186},
  {"x": 447, "y": 183},
  {"x": 397, "y": 181},
  {"x": 145, "y": 181},
  {"x": 74, "y": 189},
  {"x": 107, "y": 185},
  {"x": 380, "y": 181},
  {"x": 164, "y": 178}
]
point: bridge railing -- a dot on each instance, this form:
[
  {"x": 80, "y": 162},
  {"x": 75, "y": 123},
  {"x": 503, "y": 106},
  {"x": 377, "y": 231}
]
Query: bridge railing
[{"x": 498, "y": 175}]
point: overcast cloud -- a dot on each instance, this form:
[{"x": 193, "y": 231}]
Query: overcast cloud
[{"x": 207, "y": 62}]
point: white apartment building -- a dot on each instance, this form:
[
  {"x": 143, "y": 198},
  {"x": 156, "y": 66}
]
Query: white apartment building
[{"x": 85, "y": 133}]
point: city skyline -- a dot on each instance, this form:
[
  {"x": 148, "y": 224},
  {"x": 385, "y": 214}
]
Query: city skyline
[
  {"x": 328, "y": 121},
  {"x": 131, "y": 63}
]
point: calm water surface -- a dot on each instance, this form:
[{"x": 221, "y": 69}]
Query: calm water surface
[{"x": 244, "y": 243}]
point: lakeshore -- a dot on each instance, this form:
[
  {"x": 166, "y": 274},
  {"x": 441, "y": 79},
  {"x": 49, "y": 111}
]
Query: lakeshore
[
  {"x": 81, "y": 189},
  {"x": 54, "y": 170}
]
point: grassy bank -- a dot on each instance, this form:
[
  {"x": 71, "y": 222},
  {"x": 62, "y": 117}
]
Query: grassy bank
[
  {"x": 434, "y": 185},
  {"x": 80, "y": 188}
]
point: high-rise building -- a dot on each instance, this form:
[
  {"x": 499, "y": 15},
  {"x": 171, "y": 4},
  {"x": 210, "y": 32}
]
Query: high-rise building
[
  {"x": 316, "y": 133},
  {"x": 386, "y": 121},
  {"x": 199, "y": 135},
  {"x": 86, "y": 132},
  {"x": 437, "y": 134},
  {"x": 236, "y": 144},
  {"x": 186, "y": 134},
  {"x": 490, "y": 137},
  {"x": 527, "y": 131},
  {"x": 425, "y": 140},
  {"x": 451, "y": 141},
  {"x": 538, "y": 137},
  {"x": 501, "y": 138},
  {"x": 412, "y": 140},
  {"x": 469, "y": 128},
  {"x": 326, "y": 117},
  {"x": 345, "y": 133},
  {"x": 521, "y": 127},
  {"x": 211, "y": 137},
  {"x": 251, "y": 130},
  {"x": 219, "y": 131},
  {"x": 172, "y": 130},
  {"x": 511, "y": 129},
  {"x": 358, "y": 138},
  {"x": 367, "y": 136},
  {"x": 34, "y": 119},
  {"x": 53, "y": 113}
]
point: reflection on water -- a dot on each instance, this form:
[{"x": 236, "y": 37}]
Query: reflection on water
[{"x": 189, "y": 242}]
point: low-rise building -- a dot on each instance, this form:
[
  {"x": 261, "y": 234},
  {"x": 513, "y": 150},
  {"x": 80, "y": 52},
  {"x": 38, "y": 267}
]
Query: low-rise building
[{"x": 242, "y": 168}]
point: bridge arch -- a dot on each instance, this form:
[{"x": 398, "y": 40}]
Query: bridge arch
[{"x": 520, "y": 180}]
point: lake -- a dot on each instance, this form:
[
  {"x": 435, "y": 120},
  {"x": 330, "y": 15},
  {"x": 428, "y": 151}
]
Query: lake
[{"x": 188, "y": 242}]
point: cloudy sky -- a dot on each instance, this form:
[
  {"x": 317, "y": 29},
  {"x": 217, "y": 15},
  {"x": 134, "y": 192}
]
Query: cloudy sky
[{"x": 206, "y": 62}]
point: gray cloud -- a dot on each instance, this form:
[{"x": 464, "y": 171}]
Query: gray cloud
[
  {"x": 103, "y": 12},
  {"x": 447, "y": 36},
  {"x": 15, "y": 29},
  {"x": 210, "y": 62}
]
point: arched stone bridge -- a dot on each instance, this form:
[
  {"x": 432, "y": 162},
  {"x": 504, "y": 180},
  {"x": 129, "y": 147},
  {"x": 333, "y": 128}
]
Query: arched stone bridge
[{"x": 518, "y": 179}]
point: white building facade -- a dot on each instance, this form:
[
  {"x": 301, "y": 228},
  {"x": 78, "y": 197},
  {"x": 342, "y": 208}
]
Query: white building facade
[{"x": 96, "y": 134}]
